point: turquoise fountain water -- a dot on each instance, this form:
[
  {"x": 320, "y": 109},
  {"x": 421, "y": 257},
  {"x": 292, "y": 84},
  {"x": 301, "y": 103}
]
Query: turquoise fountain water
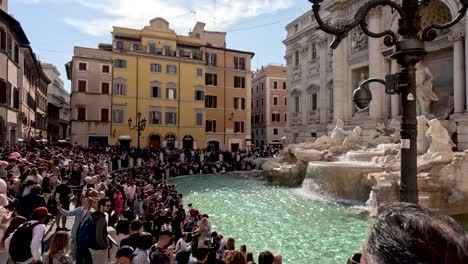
[{"x": 304, "y": 229}]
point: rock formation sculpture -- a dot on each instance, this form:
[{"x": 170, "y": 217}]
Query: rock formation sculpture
[
  {"x": 422, "y": 140},
  {"x": 440, "y": 138},
  {"x": 353, "y": 140}
]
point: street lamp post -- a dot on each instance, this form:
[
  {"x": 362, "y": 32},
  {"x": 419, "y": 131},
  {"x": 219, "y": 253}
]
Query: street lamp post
[
  {"x": 408, "y": 50},
  {"x": 139, "y": 126}
]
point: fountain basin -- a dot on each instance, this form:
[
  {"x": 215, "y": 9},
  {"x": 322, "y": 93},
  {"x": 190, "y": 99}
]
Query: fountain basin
[{"x": 340, "y": 180}]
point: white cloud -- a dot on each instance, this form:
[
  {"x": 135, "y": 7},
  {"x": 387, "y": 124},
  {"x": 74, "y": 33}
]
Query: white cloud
[{"x": 181, "y": 14}]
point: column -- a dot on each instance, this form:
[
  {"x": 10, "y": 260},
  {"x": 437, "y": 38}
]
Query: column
[
  {"x": 376, "y": 61},
  {"x": 338, "y": 82},
  {"x": 323, "y": 50},
  {"x": 457, "y": 36},
  {"x": 466, "y": 66},
  {"x": 395, "y": 100}
]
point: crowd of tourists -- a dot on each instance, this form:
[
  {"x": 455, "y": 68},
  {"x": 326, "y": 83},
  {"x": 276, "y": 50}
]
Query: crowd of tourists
[
  {"x": 121, "y": 212},
  {"x": 133, "y": 215}
]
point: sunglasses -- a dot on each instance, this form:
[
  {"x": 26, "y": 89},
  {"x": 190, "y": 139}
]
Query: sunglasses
[{"x": 355, "y": 259}]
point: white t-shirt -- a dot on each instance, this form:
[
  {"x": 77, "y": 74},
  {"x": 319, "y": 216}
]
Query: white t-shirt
[
  {"x": 182, "y": 246},
  {"x": 131, "y": 192}
]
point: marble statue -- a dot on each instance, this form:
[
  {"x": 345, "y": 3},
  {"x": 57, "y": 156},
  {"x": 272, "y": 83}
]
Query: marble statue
[
  {"x": 353, "y": 139},
  {"x": 422, "y": 140},
  {"x": 358, "y": 40},
  {"x": 424, "y": 93},
  {"x": 337, "y": 136},
  {"x": 395, "y": 126},
  {"x": 440, "y": 138}
]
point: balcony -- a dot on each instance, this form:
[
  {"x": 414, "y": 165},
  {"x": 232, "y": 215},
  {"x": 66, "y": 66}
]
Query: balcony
[
  {"x": 146, "y": 49},
  {"x": 313, "y": 116},
  {"x": 296, "y": 119}
]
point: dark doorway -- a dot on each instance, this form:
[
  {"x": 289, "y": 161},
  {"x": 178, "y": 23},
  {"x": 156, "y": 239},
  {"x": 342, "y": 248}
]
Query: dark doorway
[
  {"x": 170, "y": 141},
  {"x": 213, "y": 145},
  {"x": 188, "y": 142},
  {"x": 234, "y": 147},
  {"x": 101, "y": 141},
  {"x": 155, "y": 141}
]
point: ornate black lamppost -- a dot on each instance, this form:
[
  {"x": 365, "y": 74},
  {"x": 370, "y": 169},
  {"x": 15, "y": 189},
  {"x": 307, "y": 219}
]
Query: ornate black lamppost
[
  {"x": 139, "y": 126},
  {"x": 408, "y": 50}
]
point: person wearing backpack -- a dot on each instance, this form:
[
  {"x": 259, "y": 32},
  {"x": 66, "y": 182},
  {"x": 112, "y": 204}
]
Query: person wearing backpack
[
  {"x": 99, "y": 249},
  {"x": 28, "y": 235}
]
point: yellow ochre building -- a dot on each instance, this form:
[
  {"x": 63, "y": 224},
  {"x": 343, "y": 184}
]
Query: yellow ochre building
[{"x": 171, "y": 80}]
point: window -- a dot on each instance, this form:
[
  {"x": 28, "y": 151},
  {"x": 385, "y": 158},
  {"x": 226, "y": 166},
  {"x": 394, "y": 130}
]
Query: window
[
  {"x": 105, "y": 87},
  {"x": 239, "y": 127},
  {"x": 16, "y": 53},
  {"x": 172, "y": 69},
  {"x": 155, "y": 91},
  {"x": 211, "y": 79},
  {"x": 2, "y": 39},
  {"x": 155, "y": 67},
  {"x": 285, "y": 100},
  {"x": 152, "y": 48},
  {"x": 120, "y": 88},
  {"x": 296, "y": 60},
  {"x": 275, "y": 131},
  {"x": 167, "y": 50},
  {"x": 171, "y": 93},
  {"x": 275, "y": 117},
  {"x": 199, "y": 95},
  {"x": 119, "y": 44},
  {"x": 155, "y": 118},
  {"x": 82, "y": 86},
  {"x": 314, "y": 102},
  {"x": 119, "y": 63},
  {"x": 262, "y": 86},
  {"x": 136, "y": 46},
  {"x": 210, "y": 126},
  {"x": 296, "y": 28},
  {"x": 199, "y": 72},
  {"x": 170, "y": 118},
  {"x": 284, "y": 85},
  {"x": 16, "y": 96},
  {"x": 117, "y": 116},
  {"x": 239, "y": 63},
  {"x": 257, "y": 88},
  {"x": 211, "y": 101},
  {"x": 262, "y": 101},
  {"x": 104, "y": 115},
  {"x": 239, "y": 103},
  {"x": 314, "y": 51},
  {"x": 81, "y": 114},
  {"x": 275, "y": 100},
  {"x": 275, "y": 85},
  {"x": 199, "y": 119},
  {"x": 210, "y": 59},
  {"x": 105, "y": 68},
  {"x": 285, "y": 117},
  {"x": 257, "y": 119},
  {"x": 296, "y": 104},
  {"x": 239, "y": 82},
  {"x": 82, "y": 66},
  {"x": 257, "y": 102},
  {"x": 10, "y": 44},
  {"x": 262, "y": 119}
]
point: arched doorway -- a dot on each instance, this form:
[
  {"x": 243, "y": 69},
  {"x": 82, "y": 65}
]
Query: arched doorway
[
  {"x": 170, "y": 140},
  {"x": 155, "y": 141},
  {"x": 188, "y": 142},
  {"x": 213, "y": 145}
]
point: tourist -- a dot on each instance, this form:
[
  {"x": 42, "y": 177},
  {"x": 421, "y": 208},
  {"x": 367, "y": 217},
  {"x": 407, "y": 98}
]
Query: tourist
[
  {"x": 124, "y": 255},
  {"x": 243, "y": 250},
  {"x": 235, "y": 257},
  {"x": 162, "y": 252},
  {"x": 82, "y": 216},
  {"x": 278, "y": 259},
  {"x": 266, "y": 257},
  {"x": 59, "y": 249},
  {"x": 409, "y": 233},
  {"x": 101, "y": 242},
  {"x": 14, "y": 224},
  {"x": 250, "y": 258},
  {"x": 201, "y": 255},
  {"x": 136, "y": 227},
  {"x": 63, "y": 194},
  {"x": 141, "y": 255},
  {"x": 31, "y": 201},
  {"x": 231, "y": 244},
  {"x": 182, "y": 249},
  {"x": 122, "y": 229},
  {"x": 17, "y": 244}
]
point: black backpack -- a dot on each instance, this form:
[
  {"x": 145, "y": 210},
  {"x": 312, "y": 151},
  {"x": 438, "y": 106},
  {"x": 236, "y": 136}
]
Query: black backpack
[{"x": 20, "y": 241}]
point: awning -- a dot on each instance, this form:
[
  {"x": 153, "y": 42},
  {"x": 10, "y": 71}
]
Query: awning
[{"x": 125, "y": 137}]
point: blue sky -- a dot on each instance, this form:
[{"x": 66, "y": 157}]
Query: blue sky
[{"x": 54, "y": 27}]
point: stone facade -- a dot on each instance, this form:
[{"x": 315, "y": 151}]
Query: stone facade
[
  {"x": 269, "y": 106},
  {"x": 58, "y": 98},
  {"x": 88, "y": 70},
  {"x": 321, "y": 80}
]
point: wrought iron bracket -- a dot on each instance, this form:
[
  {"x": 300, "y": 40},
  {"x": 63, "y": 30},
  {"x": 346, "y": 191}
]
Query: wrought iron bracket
[{"x": 430, "y": 32}]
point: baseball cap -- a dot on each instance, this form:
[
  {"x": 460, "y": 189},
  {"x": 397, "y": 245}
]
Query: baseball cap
[
  {"x": 125, "y": 251},
  {"x": 42, "y": 212}
]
